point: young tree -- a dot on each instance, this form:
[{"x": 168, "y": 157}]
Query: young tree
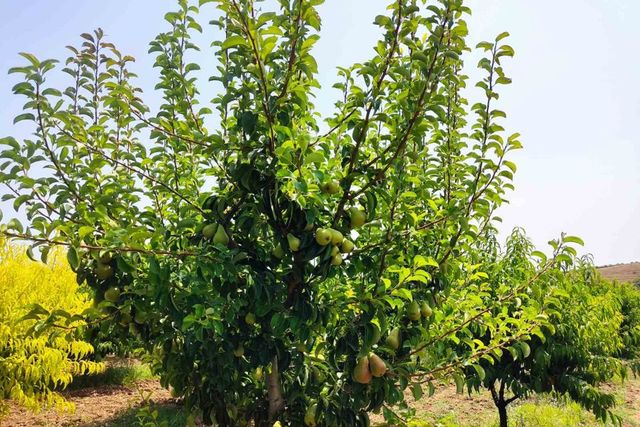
[
  {"x": 264, "y": 259},
  {"x": 33, "y": 369},
  {"x": 572, "y": 354}
]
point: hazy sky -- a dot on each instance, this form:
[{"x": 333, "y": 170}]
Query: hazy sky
[{"x": 575, "y": 97}]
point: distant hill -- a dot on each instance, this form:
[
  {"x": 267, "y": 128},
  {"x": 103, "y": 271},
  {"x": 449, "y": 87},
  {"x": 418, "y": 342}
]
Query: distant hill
[{"x": 622, "y": 272}]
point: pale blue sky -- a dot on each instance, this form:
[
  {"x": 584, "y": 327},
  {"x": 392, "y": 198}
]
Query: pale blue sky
[{"x": 575, "y": 97}]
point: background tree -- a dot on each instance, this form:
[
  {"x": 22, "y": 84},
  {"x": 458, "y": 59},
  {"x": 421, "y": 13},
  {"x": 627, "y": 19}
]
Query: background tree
[
  {"x": 268, "y": 260},
  {"x": 35, "y": 367},
  {"x": 573, "y": 354}
]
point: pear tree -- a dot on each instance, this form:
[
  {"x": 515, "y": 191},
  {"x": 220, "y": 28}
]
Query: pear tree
[{"x": 278, "y": 265}]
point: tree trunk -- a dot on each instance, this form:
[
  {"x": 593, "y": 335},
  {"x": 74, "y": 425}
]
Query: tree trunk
[
  {"x": 502, "y": 411},
  {"x": 501, "y": 403},
  {"x": 274, "y": 390}
]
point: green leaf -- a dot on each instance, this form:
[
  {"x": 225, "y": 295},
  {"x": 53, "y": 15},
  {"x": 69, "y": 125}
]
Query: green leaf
[
  {"x": 24, "y": 116},
  {"x": 34, "y": 61},
  {"x": 73, "y": 258},
  {"x": 234, "y": 41},
  {"x": 573, "y": 239}
]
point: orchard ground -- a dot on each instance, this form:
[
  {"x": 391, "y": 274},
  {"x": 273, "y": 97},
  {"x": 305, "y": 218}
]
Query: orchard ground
[{"x": 127, "y": 393}]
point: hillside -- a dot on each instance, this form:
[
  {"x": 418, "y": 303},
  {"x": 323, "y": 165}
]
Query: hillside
[{"x": 622, "y": 272}]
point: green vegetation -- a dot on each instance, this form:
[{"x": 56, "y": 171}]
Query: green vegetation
[
  {"x": 34, "y": 364},
  {"x": 278, "y": 268}
]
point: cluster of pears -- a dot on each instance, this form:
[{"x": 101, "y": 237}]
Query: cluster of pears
[
  {"x": 368, "y": 367},
  {"x": 326, "y": 236},
  {"x": 217, "y": 233},
  {"x": 416, "y": 311}
]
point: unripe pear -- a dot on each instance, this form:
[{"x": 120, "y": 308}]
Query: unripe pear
[
  {"x": 357, "y": 217},
  {"x": 425, "y": 309},
  {"x": 209, "y": 231},
  {"x": 140, "y": 317},
  {"x": 294, "y": 242},
  {"x": 104, "y": 271},
  {"x": 336, "y": 260},
  {"x": 125, "y": 319},
  {"x": 330, "y": 187},
  {"x": 336, "y": 237},
  {"x": 323, "y": 236},
  {"x": 376, "y": 365},
  {"x": 278, "y": 252},
  {"x": 310, "y": 415},
  {"x": 221, "y": 237},
  {"x": 376, "y": 334},
  {"x": 347, "y": 246},
  {"x": 335, "y": 251},
  {"x": 362, "y": 372},
  {"x": 413, "y": 311},
  {"x": 393, "y": 340},
  {"x": 239, "y": 351},
  {"x": 106, "y": 258},
  {"x": 250, "y": 318},
  {"x": 112, "y": 294},
  {"x": 258, "y": 374}
]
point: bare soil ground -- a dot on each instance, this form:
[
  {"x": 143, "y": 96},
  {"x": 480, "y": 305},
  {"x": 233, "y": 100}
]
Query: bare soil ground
[
  {"x": 95, "y": 406},
  {"x": 104, "y": 405},
  {"x": 622, "y": 272}
]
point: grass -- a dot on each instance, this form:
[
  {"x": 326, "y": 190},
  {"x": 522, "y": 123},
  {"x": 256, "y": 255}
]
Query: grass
[
  {"x": 150, "y": 415},
  {"x": 122, "y": 372}
]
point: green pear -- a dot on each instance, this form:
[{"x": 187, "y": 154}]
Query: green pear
[
  {"x": 362, "y": 372},
  {"x": 323, "y": 236},
  {"x": 357, "y": 217},
  {"x": 221, "y": 237},
  {"x": 347, "y": 246},
  {"x": 104, "y": 271},
  {"x": 250, "y": 318},
  {"x": 330, "y": 187},
  {"x": 294, "y": 242},
  {"x": 106, "y": 258},
  {"x": 239, "y": 351},
  {"x": 310, "y": 415},
  {"x": 394, "y": 338},
  {"x": 335, "y": 251},
  {"x": 112, "y": 294},
  {"x": 413, "y": 311},
  {"x": 125, "y": 319},
  {"x": 425, "y": 310},
  {"x": 336, "y": 237},
  {"x": 209, "y": 231},
  {"x": 336, "y": 260},
  {"x": 376, "y": 334},
  {"x": 278, "y": 252},
  {"x": 376, "y": 365},
  {"x": 140, "y": 317},
  {"x": 258, "y": 374}
]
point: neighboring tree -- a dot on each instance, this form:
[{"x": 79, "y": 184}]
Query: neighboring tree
[
  {"x": 573, "y": 354},
  {"x": 34, "y": 368},
  {"x": 629, "y": 299},
  {"x": 271, "y": 262}
]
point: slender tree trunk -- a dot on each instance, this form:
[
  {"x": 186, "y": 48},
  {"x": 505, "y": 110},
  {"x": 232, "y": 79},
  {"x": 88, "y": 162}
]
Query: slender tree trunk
[
  {"x": 501, "y": 403},
  {"x": 274, "y": 390},
  {"x": 502, "y": 411}
]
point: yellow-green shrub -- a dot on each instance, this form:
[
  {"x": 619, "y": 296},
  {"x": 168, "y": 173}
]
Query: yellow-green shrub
[{"x": 33, "y": 367}]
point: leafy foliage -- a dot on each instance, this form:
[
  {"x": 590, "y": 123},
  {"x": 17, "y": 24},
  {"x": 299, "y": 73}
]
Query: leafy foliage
[
  {"x": 570, "y": 355},
  {"x": 33, "y": 366},
  {"x": 264, "y": 260}
]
